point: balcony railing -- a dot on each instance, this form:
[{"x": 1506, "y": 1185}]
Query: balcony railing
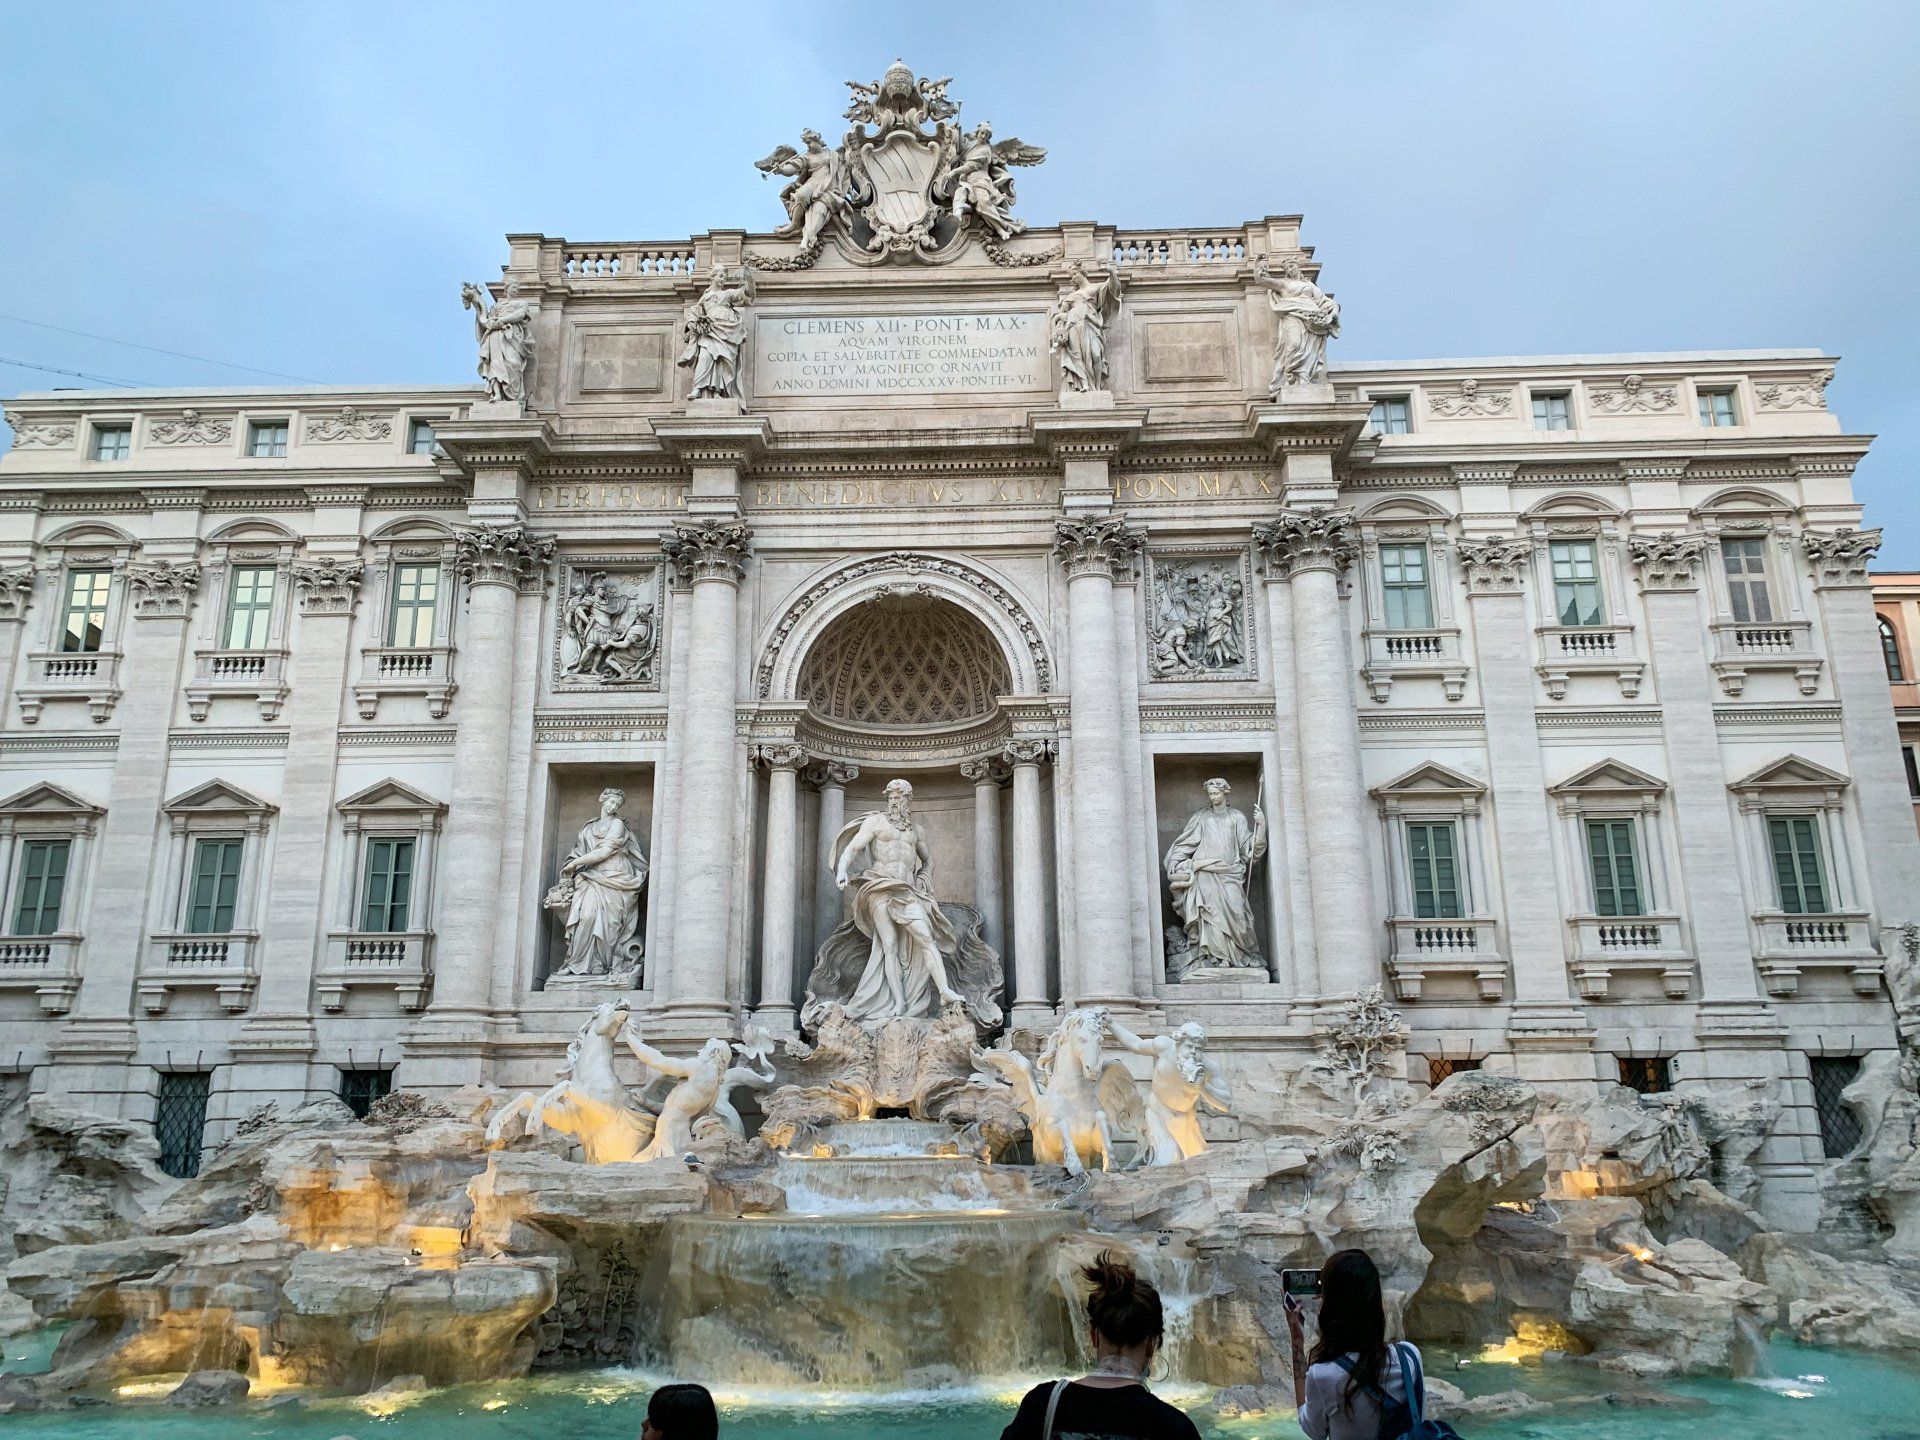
[
  {"x": 223, "y": 963},
  {"x": 1412, "y": 654},
  {"x": 1790, "y": 945},
  {"x": 49, "y": 965},
  {"x": 400, "y": 961},
  {"x": 1179, "y": 248},
  {"x": 628, "y": 262},
  {"x": 258, "y": 675},
  {"x": 1777, "y": 645},
  {"x": 1609, "y": 946},
  {"x": 386, "y": 670},
  {"x": 1568, "y": 650},
  {"x": 1426, "y": 949},
  {"x": 59, "y": 675}
]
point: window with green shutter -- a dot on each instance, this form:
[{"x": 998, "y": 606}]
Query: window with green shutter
[
  {"x": 249, "y": 607},
  {"x": 1576, "y": 582},
  {"x": 83, "y": 624},
  {"x": 416, "y": 594},
  {"x": 1795, "y": 840},
  {"x": 215, "y": 887},
  {"x": 1611, "y": 853},
  {"x": 43, "y": 883},
  {"x": 389, "y": 885},
  {"x": 1403, "y": 581},
  {"x": 1433, "y": 862}
]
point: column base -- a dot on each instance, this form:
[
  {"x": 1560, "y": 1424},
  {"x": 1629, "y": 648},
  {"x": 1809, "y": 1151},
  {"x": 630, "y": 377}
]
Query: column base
[
  {"x": 694, "y": 1021},
  {"x": 1032, "y": 1015},
  {"x": 779, "y": 1021},
  {"x": 451, "y": 1048}
]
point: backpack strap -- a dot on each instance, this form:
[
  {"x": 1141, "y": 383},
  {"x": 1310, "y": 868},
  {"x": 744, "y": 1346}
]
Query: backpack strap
[
  {"x": 1367, "y": 1385},
  {"x": 1053, "y": 1406},
  {"x": 1413, "y": 1380}
]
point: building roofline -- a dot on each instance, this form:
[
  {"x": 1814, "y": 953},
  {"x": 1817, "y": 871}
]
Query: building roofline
[
  {"x": 1632, "y": 357},
  {"x": 168, "y": 392}
]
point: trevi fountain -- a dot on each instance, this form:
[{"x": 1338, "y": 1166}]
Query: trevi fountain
[{"x": 1409, "y": 849}]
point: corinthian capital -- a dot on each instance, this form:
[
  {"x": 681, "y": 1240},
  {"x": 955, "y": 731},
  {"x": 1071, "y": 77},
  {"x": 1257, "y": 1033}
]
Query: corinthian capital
[
  {"x": 1840, "y": 557},
  {"x": 1667, "y": 561},
  {"x": 328, "y": 586},
  {"x": 1494, "y": 565},
  {"x": 1094, "y": 547},
  {"x": 163, "y": 590},
  {"x": 1308, "y": 540},
  {"x": 503, "y": 555},
  {"x": 708, "y": 550},
  {"x": 16, "y": 591}
]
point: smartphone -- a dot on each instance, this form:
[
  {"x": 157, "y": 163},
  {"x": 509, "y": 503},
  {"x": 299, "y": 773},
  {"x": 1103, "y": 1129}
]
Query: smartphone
[{"x": 1301, "y": 1284}]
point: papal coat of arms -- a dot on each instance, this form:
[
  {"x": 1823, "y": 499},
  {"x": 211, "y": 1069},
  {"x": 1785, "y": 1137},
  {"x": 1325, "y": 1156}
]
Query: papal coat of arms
[{"x": 894, "y": 186}]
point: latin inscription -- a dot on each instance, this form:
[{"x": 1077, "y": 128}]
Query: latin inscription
[{"x": 875, "y": 355}]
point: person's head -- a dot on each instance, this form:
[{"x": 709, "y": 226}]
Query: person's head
[
  {"x": 612, "y": 800},
  {"x": 899, "y": 797},
  {"x": 1217, "y": 792},
  {"x": 1123, "y": 1311},
  {"x": 680, "y": 1412},
  {"x": 1189, "y": 1041},
  {"x": 1353, "y": 1320}
]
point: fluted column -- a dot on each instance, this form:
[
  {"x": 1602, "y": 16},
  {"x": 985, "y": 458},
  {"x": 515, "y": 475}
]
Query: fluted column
[
  {"x": 987, "y": 776},
  {"x": 496, "y": 563},
  {"x": 1091, "y": 550},
  {"x": 1313, "y": 547},
  {"x": 711, "y": 555},
  {"x": 1031, "y": 1003},
  {"x": 831, "y": 778},
  {"x": 777, "y": 887}
]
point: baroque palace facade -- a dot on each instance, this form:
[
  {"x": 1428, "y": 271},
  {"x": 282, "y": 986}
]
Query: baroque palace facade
[{"x": 1554, "y": 681}]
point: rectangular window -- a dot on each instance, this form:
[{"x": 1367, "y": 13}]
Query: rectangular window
[
  {"x": 1913, "y": 772},
  {"x": 1403, "y": 579},
  {"x": 1442, "y": 1067},
  {"x": 1433, "y": 862},
  {"x": 267, "y": 439},
  {"x": 215, "y": 886},
  {"x": 1746, "y": 566},
  {"x": 416, "y": 593},
  {"x": 1576, "y": 582},
  {"x": 1616, "y": 875},
  {"x": 360, "y": 1088},
  {"x": 84, "y": 625},
  {"x": 249, "y": 606},
  {"x": 420, "y": 438},
  {"x": 1649, "y": 1074},
  {"x": 112, "y": 442},
  {"x": 1795, "y": 840},
  {"x": 1716, "y": 408},
  {"x": 388, "y": 886},
  {"x": 1839, "y": 1126},
  {"x": 180, "y": 1120},
  {"x": 1391, "y": 416},
  {"x": 1553, "y": 411},
  {"x": 43, "y": 883}
]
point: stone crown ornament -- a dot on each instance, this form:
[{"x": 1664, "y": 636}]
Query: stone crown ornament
[
  {"x": 328, "y": 586},
  {"x": 894, "y": 186},
  {"x": 1088, "y": 547},
  {"x": 1840, "y": 555}
]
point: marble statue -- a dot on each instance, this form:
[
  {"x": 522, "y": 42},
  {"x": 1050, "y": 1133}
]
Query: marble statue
[
  {"x": 716, "y": 327},
  {"x": 1073, "y": 1099},
  {"x": 707, "y": 1082},
  {"x": 505, "y": 333},
  {"x": 599, "y": 891},
  {"x": 1305, "y": 316},
  {"x": 1197, "y": 629},
  {"x": 978, "y": 178},
  {"x": 1183, "y": 1081},
  {"x": 587, "y": 1101},
  {"x": 610, "y": 632},
  {"x": 818, "y": 193},
  {"x": 1077, "y": 328},
  {"x": 1208, "y": 867},
  {"x": 897, "y": 953}
]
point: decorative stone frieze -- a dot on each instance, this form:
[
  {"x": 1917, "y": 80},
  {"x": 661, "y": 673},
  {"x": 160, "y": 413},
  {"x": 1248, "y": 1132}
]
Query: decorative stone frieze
[
  {"x": 1633, "y": 396},
  {"x": 1469, "y": 401},
  {"x": 192, "y": 428},
  {"x": 1308, "y": 540},
  {"x": 1809, "y": 394},
  {"x": 349, "y": 424},
  {"x": 328, "y": 586},
  {"x": 503, "y": 555},
  {"x": 1493, "y": 566},
  {"x": 1667, "y": 561},
  {"x": 16, "y": 591},
  {"x": 708, "y": 550},
  {"x": 45, "y": 435},
  {"x": 1841, "y": 557},
  {"x": 1094, "y": 546},
  {"x": 163, "y": 590}
]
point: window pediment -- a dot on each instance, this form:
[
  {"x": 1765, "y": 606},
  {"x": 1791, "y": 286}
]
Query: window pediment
[
  {"x": 1609, "y": 778},
  {"x": 1792, "y": 774},
  {"x": 1430, "y": 778},
  {"x": 47, "y": 801},
  {"x": 391, "y": 802},
  {"x": 218, "y": 797}
]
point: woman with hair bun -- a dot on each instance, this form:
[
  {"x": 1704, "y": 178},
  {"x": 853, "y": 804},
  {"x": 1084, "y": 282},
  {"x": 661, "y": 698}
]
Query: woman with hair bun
[{"x": 1111, "y": 1402}]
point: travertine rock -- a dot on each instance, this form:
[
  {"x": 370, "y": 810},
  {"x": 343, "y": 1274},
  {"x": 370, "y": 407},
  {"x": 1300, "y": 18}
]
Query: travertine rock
[{"x": 210, "y": 1387}]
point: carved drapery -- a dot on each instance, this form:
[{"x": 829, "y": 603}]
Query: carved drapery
[
  {"x": 328, "y": 586},
  {"x": 1667, "y": 561},
  {"x": 708, "y": 550},
  {"x": 503, "y": 555},
  {"x": 163, "y": 589},
  {"x": 1494, "y": 565},
  {"x": 904, "y": 661},
  {"x": 1841, "y": 557},
  {"x": 1308, "y": 540},
  {"x": 1094, "y": 546}
]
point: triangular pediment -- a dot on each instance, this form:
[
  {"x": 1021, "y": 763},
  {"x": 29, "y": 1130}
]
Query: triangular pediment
[
  {"x": 391, "y": 794},
  {"x": 48, "y": 799},
  {"x": 1609, "y": 777},
  {"x": 1792, "y": 772},
  {"x": 219, "y": 797},
  {"x": 1431, "y": 778}
]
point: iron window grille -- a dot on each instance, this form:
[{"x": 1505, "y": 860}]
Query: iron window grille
[
  {"x": 1649, "y": 1074},
  {"x": 1840, "y": 1130},
  {"x": 360, "y": 1088},
  {"x": 180, "y": 1120}
]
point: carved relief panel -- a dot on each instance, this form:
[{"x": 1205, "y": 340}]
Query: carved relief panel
[
  {"x": 607, "y": 634},
  {"x": 1199, "y": 622}
]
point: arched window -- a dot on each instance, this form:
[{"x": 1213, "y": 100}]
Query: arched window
[{"x": 1890, "y": 647}]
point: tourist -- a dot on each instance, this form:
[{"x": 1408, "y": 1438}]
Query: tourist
[
  {"x": 1355, "y": 1388},
  {"x": 1110, "y": 1402},
  {"x": 680, "y": 1412}
]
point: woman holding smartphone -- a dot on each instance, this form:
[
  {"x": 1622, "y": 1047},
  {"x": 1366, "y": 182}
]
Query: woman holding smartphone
[{"x": 1354, "y": 1385}]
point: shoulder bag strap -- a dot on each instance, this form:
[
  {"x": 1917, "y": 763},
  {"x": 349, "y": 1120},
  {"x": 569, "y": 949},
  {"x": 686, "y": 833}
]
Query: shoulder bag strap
[
  {"x": 1413, "y": 1380},
  {"x": 1053, "y": 1406},
  {"x": 1373, "y": 1389}
]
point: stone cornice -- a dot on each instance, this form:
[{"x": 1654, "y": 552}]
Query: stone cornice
[
  {"x": 1086, "y": 434},
  {"x": 520, "y": 442},
  {"x": 1334, "y": 427},
  {"x": 714, "y": 440}
]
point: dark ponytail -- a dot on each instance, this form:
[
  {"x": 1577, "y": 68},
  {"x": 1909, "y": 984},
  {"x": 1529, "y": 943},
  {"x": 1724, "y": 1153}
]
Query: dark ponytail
[{"x": 1123, "y": 1308}]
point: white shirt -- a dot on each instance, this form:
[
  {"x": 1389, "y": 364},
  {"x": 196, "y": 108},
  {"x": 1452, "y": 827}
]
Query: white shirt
[{"x": 1325, "y": 1415}]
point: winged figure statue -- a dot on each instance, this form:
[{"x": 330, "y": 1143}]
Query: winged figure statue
[{"x": 977, "y": 178}]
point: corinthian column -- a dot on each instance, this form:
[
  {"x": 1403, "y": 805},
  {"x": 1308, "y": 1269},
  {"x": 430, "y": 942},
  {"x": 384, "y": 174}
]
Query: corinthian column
[
  {"x": 777, "y": 888},
  {"x": 1090, "y": 551},
  {"x": 1031, "y": 1003},
  {"x": 1313, "y": 548},
  {"x": 987, "y": 776},
  {"x": 497, "y": 563},
  {"x": 711, "y": 556},
  {"x": 831, "y": 778}
]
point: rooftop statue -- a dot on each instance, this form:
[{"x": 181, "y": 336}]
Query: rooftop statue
[
  {"x": 1077, "y": 328},
  {"x": 716, "y": 326},
  {"x": 1305, "y": 316},
  {"x": 505, "y": 333}
]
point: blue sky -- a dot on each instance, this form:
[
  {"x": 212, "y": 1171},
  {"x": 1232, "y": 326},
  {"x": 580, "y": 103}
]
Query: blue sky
[{"x": 302, "y": 188}]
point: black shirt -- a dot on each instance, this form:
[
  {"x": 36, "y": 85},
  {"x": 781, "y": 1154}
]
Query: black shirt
[{"x": 1087, "y": 1412}]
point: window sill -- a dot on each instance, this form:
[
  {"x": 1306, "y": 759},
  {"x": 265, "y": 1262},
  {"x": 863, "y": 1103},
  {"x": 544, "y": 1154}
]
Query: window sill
[
  {"x": 425, "y": 670},
  {"x": 259, "y": 675},
  {"x": 1569, "y": 650},
  {"x": 1425, "y": 950},
  {"x": 399, "y": 960},
  {"x": 92, "y": 677},
  {"x": 47, "y": 964},
  {"x": 1413, "y": 654},
  {"x": 1777, "y": 645},
  {"x": 1791, "y": 945},
  {"x": 177, "y": 960}
]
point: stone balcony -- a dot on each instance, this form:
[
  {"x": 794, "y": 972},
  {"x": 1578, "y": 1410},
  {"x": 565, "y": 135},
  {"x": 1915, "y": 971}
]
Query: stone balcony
[
  {"x": 1778, "y": 645},
  {"x": 1606, "y": 947},
  {"x": 259, "y": 675},
  {"x": 1427, "y": 949},
  {"x": 1413, "y": 654},
  {"x": 59, "y": 675},
  {"x": 1790, "y": 945},
  {"x": 400, "y": 961},
  {"x": 386, "y": 670},
  {"x": 178, "y": 961},
  {"x": 49, "y": 965},
  {"x": 1569, "y": 650}
]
